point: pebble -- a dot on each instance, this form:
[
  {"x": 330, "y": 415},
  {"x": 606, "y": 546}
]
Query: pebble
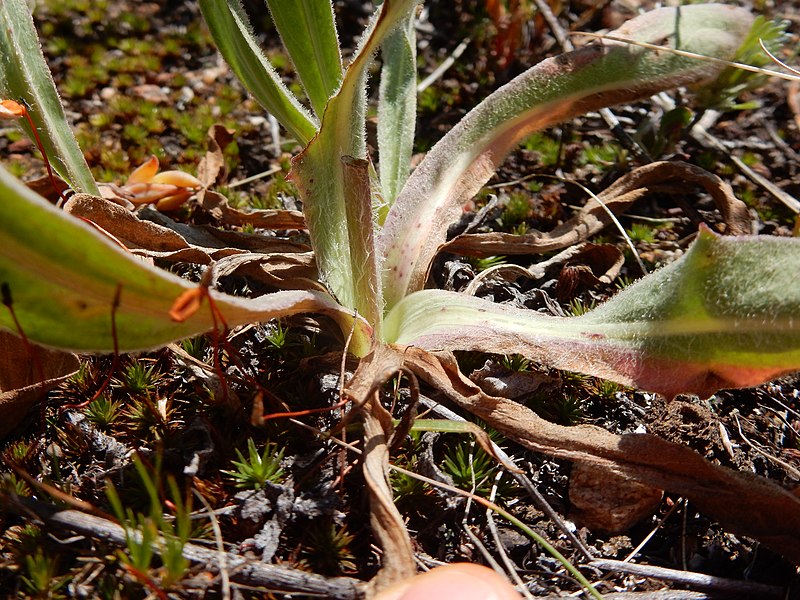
[
  {"x": 151, "y": 93},
  {"x": 107, "y": 93}
]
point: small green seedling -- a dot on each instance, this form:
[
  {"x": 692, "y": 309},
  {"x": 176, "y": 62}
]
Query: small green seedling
[
  {"x": 470, "y": 467},
  {"x": 257, "y": 469},
  {"x": 41, "y": 580},
  {"x": 515, "y": 362},
  {"x": 327, "y": 549},
  {"x": 640, "y": 232},
  {"x": 103, "y": 411},
  {"x": 139, "y": 378},
  {"x": 153, "y": 532}
]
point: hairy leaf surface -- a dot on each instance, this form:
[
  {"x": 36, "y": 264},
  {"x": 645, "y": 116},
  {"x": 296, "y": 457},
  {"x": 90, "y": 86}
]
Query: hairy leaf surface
[
  {"x": 235, "y": 39},
  {"x": 397, "y": 108},
  {"x": 308, "y": 32},
  {"x": 318, "y": 172},
  {"x": 63, "y": 289},
  {"x": 24, "y": 75},
  {"x": 723, "y": 315},
  {"x": 554, "y": 90}
]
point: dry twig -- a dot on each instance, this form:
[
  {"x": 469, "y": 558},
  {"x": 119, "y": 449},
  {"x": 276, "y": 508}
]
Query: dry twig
[{"x": 241, "y": 570}]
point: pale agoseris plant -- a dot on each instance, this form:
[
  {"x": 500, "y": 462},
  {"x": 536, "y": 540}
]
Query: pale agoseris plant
[{"x": 374, "y": 241}]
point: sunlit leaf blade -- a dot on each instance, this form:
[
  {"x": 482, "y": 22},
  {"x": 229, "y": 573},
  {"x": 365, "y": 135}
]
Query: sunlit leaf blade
[
  {"x": 726, "y": 314},
  {"x": 62, "y": 276},
  {"x": 552, "y": 91},
  {"x": 397, "y": 107},
  {"x": 234, "y": 38},
  {"x": 317, "y": 170},
  {"x": 308, "y": 32},
  {"x": 24, "y": 75}
]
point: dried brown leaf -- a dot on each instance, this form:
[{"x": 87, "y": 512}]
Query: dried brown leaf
[
  {"x": 124, "y": 225},
  {"x": 740, "y": 501},
  {"x": 618, "y": 197},
  {"x": 296, "y": 271},
  {"x": 24, "y": 379},
  {"x": 211, "y": 171},
  {"x": 276, "y": 262},
  {"x": 607, "y": 502},
  {"x": 44, "y": 187},
  {"x": 387, "y": 523},
  {"x": 217, "y": 205}
]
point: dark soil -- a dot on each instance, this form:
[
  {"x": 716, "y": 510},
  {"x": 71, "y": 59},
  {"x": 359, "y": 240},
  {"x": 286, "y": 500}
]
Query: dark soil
[{"x": 157, "y": 60}]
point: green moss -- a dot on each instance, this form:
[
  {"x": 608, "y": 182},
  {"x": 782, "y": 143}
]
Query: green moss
[
  {"x": 20, "y": 452},
  {"x": 101, "y": 120},
  {"x": 103, "y": 411},
  {"x": 115, "y": 160},
  {"x": 748, "y": 196},
  {"x": 564, "y": 409},
  {"x": 602, "y": 155},
  {"x": 517, "y": 209},
  {"x": 280, "y": 61},
  {"x": 641, "y": 232},
  {"x": 88, "y": 137},
  {"x": 470, "y": 467},
  {"x": 40, "y": 579},
  {"x": 545, "y": 146},
  {"x": 751, "y": 159},
  {"x": 327, "y": 549},
  {"x": 257, "y": 468},
  {"x": 607, "y": 390},
  {"x": 132, "y": 132},
  {"x": 194, "y": 125},
  {"x": 94, "y": 11},
  {"x": 17, "y": 169},
  {"x": 228, "y": 99},
  {"x": 83, "y": 78},
  {"x": 55, "y": 45},
  {"x": 278, "y": 188},
  {"x": 134, "y": 21},
  {"x": 122, "y": 105},
  {"x": 172, "y": 47},
  {"x": 406, "y": 490}
]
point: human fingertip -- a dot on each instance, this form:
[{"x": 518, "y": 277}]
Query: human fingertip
[{"x": 465, "y": 581}]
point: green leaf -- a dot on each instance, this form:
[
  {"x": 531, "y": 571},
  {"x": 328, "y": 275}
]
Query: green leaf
[
  {"x": 723, "y": 315},
  {"x": 234, "y": 37},
  {"x": 397, "y": 108},
  {"x": 61, "y": 277},
  {"x": 308, "y": 32},
  {"x": 721, "y": 94},
  {"x": 25, "y": 75},
  {"x": 317, "y": 170},
  {"x": 552, "y": 91}
]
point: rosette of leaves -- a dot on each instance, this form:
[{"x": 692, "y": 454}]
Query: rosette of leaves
[{"x": 376, "y": 231}]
